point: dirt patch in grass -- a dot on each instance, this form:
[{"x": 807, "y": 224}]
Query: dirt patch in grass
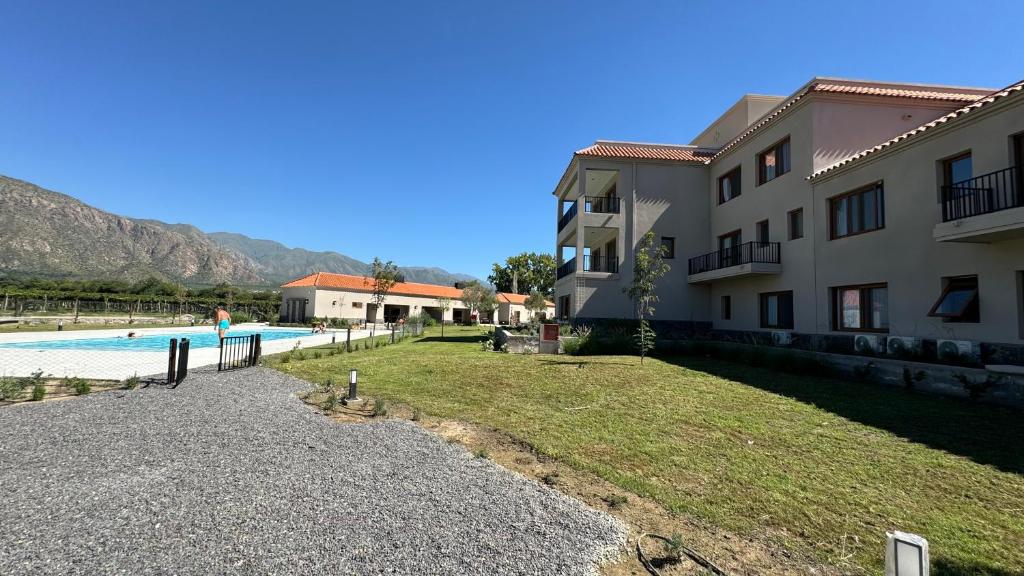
[{"x": 733, "y": 553}]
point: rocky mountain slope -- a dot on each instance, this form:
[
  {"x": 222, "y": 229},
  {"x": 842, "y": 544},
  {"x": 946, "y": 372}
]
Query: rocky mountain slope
[{"x": 48, "y": 234}]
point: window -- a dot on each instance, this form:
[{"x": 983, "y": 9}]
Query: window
[
  {"x": 777, "y": 310},
  {"x": 729, "y": 185},
  {"x": 729, "y": 248},
  {"x": 861, "y": 308},
  {"x": 958, "y": 301},
  {"x": 357, "y": 304},
  {"x": 762, "y": 231},
  {"x": 957, "y": 169},
  {"x": 726, "y": 307},
  {"x": 773, "y": 162},
  {"x": 859, "y": 211},
  {"x": 668, "y": 247},
  {"x": 796, "y": 224}
]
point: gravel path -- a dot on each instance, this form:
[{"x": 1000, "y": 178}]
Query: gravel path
[{"x": 232, "y": 474}]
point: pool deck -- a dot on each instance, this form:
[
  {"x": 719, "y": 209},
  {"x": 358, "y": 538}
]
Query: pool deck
[{"x": 121, "y": 364}]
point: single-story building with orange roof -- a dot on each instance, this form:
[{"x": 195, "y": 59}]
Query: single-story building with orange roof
[{"x": 329, "y": 295}]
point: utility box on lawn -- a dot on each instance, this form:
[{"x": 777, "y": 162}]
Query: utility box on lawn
[{"x": 548, "y": 339}]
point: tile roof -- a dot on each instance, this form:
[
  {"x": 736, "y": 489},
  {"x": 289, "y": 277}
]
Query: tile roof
[
  {"x": 922, "y": 94},
  {"x": 868, "y": 90},
  {"x": 517, "y": 298},
  {"x": 366, "y": 284},
  {"x": 641, "y": 151},
  {"x": 1011, "y": 90}
]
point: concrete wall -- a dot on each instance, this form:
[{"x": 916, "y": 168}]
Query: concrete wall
[{"x": 904, "y": 253}]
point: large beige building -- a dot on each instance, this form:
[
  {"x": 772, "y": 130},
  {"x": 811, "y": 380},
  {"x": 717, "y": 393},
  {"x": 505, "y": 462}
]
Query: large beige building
[
  {"x": 847, "y": 215},
  {"x": 328, "y": 295}
]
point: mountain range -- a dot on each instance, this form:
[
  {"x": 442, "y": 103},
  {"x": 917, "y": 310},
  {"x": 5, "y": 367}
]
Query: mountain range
[{"x": 48, "y": 234}]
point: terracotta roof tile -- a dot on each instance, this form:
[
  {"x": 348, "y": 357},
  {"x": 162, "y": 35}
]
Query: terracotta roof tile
[
  {"x": 366, "y": 284},
  {"x": 640, "y": 151},
  {"x": 1016, "y": 88},
  {"x": 517, "y": 298},
  {"x": 876, "y": 90},
  {"x": 922, "y": 94}
]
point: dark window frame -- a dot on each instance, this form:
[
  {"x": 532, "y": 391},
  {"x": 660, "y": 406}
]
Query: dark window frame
[
  {"x": 833, "y": 212},
  {"x": 737, "y": 184},
  {"x": 865, "y": 307},
  {"x": 777, "y": 147},
  {"x": 947, "y": 166},
  {"x": 967, "y": 314},
  {"x": 762, "y": 298},
  {"x": 789, "y": 222},
  {"x": 726, "y": 307},
  {"x": 766, "y": 227},
  {"x": 669, "y": 254}
]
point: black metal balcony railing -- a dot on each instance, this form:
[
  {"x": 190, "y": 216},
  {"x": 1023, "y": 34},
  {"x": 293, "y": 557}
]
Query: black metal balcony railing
[
  {"x": 601, "y": 204},
  {"x": 759, "y": 252},
  {"x": 601, "y": 264},
  {"x": 983, "y": 194},
  {"x": 564, "y": 220},
  {"x": 567, "y": 267}
]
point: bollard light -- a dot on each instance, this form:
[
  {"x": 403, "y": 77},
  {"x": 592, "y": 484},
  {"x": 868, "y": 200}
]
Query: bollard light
[
  {"x": 352, "y": 396},
  {"x": 905, "y": 554}
]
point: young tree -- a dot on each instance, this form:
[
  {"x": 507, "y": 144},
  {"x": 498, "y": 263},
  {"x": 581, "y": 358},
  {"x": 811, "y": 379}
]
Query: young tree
[
  {"x": 535, "y": 303},
  {"x": 445, "y": 304},
  {"x": 478, "y": 297},
  {"x": 385, "y": 276},
  {"x": 648, "y": 267}
]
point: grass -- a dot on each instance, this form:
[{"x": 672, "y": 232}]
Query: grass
[{"x": 821, "y": 466}]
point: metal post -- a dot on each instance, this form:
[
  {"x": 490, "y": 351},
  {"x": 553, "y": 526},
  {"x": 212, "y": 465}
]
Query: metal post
[
  {"x": 259, "y": 350},
  {"x": 182, "y": 361},
  {"x": 392, "y": 333},
  {"x": 251, "y": 358},
  {"x": 220, "y": 361},
  {"x": 171, "y": 356},
  {"x": 352, "y": 375},
  {"x": 348, "y": 340}
]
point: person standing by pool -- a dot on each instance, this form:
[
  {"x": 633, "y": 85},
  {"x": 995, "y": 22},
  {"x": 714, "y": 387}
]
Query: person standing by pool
[{"x": 223, "y": 321}]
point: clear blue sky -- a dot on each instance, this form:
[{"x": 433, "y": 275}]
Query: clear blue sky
[{"x": 441, "y": 120}]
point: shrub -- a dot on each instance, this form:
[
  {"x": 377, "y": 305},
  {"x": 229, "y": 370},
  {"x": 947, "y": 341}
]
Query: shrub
[
  {"x": 331, "y": 401},
  {"x": 239, "y": 317},
  {"x": 615, "y": 500},
  {"x": 977, "y": 389},
  {"x": 550, "y": 479},
  {"x": 380, "y": 408},
  {"x": 132, "y": 382},
  {"x": 11, "y": 388},
  {"x": 286, "y": 358},
  {"x": 79, "y": 385},
  {"x": 317, "y": 354},
  {"x": 38, "y": 391},
  {"x": 416, "y": 415},
  {"x": 340, "y": 323},
  {"x": 865, "y": 372},
  {"x": 481, "y": 453}
]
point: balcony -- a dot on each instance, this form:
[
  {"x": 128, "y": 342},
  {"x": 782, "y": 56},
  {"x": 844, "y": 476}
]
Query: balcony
[
  {"x": 567, "y": 217},
  {"x": 748, "y": 259},
  {"x": 601, "y": 204},
  {"x": 986, "y": 208},
  {"x": 605, "y": 264}
]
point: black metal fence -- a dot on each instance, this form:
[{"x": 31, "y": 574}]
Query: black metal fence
[
  {"x": 750, "y": 252},
  {"x": 564, "y": 220},
  {"x": 239, "y": 352},
  {"x": 992, "y": 192},
  {"x": 566, "y": 268},
  {"x": 177, "y": 361},
  {"x": 600, "y": 263},
  {"x": 601, "y": 204}
]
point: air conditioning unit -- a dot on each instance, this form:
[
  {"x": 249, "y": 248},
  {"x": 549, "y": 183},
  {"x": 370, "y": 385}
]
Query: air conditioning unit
[
  {"x": 865, "y": 344},
  {"x": 954, "y": 349},
  {"x": 780, "y": 338},
  {"x": 902, "y": 346}
]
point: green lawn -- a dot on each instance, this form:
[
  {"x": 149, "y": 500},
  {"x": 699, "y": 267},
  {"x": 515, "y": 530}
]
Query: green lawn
[{"x": 823, "y": 466}]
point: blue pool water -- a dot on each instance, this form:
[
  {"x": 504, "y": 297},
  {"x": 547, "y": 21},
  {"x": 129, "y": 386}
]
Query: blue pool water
[{"x": 153, "y": 342}]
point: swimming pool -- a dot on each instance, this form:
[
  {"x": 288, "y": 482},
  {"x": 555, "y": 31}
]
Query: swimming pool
[{"x": 152, "y": 342}]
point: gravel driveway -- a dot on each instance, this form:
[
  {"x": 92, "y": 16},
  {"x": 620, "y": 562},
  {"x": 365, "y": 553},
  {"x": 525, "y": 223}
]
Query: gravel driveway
[{"x": 232, "y": 474}]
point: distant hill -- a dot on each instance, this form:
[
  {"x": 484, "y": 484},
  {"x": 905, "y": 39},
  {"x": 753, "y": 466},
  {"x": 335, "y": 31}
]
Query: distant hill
[{"x": 49, "y": 234}]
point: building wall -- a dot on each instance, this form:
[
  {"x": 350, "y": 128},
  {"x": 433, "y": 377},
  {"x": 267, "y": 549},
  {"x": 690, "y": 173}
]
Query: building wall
[
  {"x": 665, "y": 198},
  {"x": 324, "y": 302},
  {"x": 904, "y": 253}
]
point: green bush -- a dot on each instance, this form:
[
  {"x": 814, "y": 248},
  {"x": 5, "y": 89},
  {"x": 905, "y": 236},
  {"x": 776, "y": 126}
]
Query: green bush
[
  {"x": 339, "y": 323},
  {"x": 132, "y": 382},
  {"x": 79, "y": 385},
  {"x": 380, "y": 408},
  {"x": 38, "y": 391},
  {"x": 239, "y": 317},
  {"x": 11, "y": 388}
]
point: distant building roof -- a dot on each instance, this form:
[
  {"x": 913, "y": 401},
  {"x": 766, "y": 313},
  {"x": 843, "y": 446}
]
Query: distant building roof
[
  {"x": 366, "y": 284},
  {"x": 517, "y": 298},
  {"x": 1016, "y": 88}
]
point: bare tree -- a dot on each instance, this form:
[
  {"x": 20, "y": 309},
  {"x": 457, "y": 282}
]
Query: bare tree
[{"x": 445, "y": 304}]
